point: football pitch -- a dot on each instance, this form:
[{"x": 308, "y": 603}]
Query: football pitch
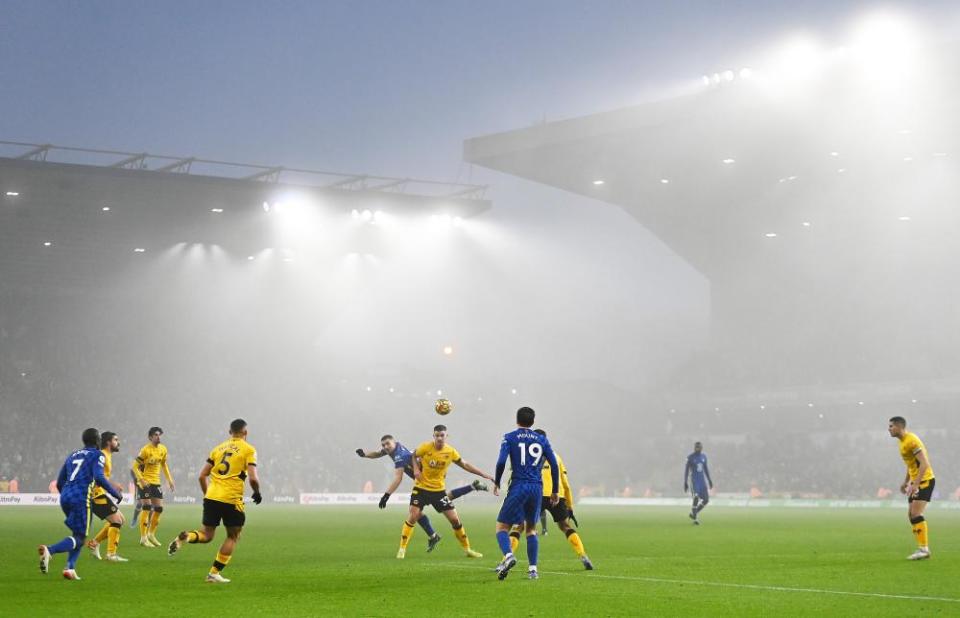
[{"x": 312, "y": 561}]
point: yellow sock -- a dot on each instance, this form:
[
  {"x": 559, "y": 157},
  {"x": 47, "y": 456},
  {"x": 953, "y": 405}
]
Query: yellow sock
[
  {"x": 514, "y": 541},
  {"x": 154, "y": 522},
  {"x": 195, "y": 536},
  {"x": 920, "y": 532},
  {"x": 144, "y": 521},
  {"x": 113, "y": 536},
  {"x": 219, "y": 564},
  {"x": 103, "y": 532},
  {"x": 462, "y": 537},
  {"x": 574, "y": 539},
  {"x": 405, "y": 534}
]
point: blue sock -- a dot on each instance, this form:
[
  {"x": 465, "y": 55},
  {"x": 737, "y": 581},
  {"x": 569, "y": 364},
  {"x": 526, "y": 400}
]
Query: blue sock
[
  {"x": 533, "y": 548},
  {"x": 426, "y": 525},
  {"x": 62, "y": 546},
  {"x": 460, "y": 491},
  {"x": 73, "y": 555},
  {"x": 503, "y": 540}
]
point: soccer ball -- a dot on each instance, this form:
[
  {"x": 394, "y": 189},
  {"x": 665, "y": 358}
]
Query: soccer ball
[{"x": 443, "y": 407}]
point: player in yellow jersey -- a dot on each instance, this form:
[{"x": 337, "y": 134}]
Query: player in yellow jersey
[
  {"x": 104, "y": 507},
  {"x": 917, "y": 485},
  {"x": 146, "y": 468},
  {"x": 562, "y": 511},
  {"x": 431, "y": 460},
  {"x": 230, "y": 463}
]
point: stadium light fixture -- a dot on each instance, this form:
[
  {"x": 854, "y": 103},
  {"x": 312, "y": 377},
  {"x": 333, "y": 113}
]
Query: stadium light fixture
[
  {"x": 727, "y": 75},
  {"x": 139, "y": 250},
  {"x": 439, "y": 392},
  {"x": 716, "y": 78},
  {"x": 105, "y": 209},
  {"x": 841, "y": 170},
  {"x": 599, "y": 182},
  {"x": 366, "y": 215},
  {"x": 903, "y": 218},
  {"x": 216, "y": 210},
  {"x": 806, "y": 224},
  {"x": 859, "y": 403},
  {"x": 513, "y": 391},
  {"x": 939, "y": 154},
  {"x": 13, "y": 193},
  {"x": 250, "y": 257},
  {"x": 266, "y": 207},
  {"x": 809, "y": 405},
  {"x": 771, "y": 234},
  {"x": 834, "y": 154},
  {"x": 706, "y": 80},
  {"x": 729, "y": 161},
  {"x": 746, "y": 73},
  {"x": 448, "y": 350},
  {"x": 908, "y": 159},
  {"x": 664, "y": 181},
  {"x": 913, "y": 401}
]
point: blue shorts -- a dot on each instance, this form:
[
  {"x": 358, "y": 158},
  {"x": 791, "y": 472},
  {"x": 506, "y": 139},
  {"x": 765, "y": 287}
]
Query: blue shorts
[
  {"x": 701, "y": 491},
  {"x": 78, "y": 516},
  {"x": 522, "y": 504}
]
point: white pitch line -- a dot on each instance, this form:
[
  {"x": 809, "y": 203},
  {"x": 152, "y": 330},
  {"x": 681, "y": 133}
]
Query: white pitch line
[{"x": 690, "y": 582}]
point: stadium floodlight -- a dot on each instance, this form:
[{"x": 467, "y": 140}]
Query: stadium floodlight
[
  {"x": 746, "y": 73},
  {"x": 47, "y": 243},
  {"x": 250, "y": 257},
  {"x": 391, "y": 389},
  {"x": 841, "y": 170},
  {"x": 771, "y": 234},
  {"x": 859, "y": 403},
  {"x": 806, "y": 224},
  {"x": 599, "y": 182},
  {"x": 216, "y": 210},
  {"x": 908, "y": 159},
  {"x": 716, "y": 78},
  {"x": 366, "y": 215},
  {"x": 729, "y": 161},
  {"x": 266, "y": 207},
  {"x": 369, "y": 389},
  {"x": 809, "y": 405},
  {"x": 439, "y": 392},
  {"x": 886, "y": 45},
  {"x": 448, "y": 350},
  {"x": 834, "y": 154},
  {"x": 706, "y": 80},
  {"x": 913, "y": 401},
  {"x": 939, "y": 154},
  {"x": 664, "y": 181},
  {"x": 105, "y": 209},
  {"x": 513, "y": 391},
  {"x": 13, "y": 193},
  {"x": 903, "y": 218},
  {"x": 139, "y": 250}
]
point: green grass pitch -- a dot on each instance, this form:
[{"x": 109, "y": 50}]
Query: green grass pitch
[{"x": 311, "y": 561}]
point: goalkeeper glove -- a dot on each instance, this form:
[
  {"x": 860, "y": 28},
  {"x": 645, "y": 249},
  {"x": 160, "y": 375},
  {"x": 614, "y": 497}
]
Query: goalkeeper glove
[
  {"x": 360, "y": 452},
  {"x": 383, "y": 500},
  {"x": 257, "y": 498}
]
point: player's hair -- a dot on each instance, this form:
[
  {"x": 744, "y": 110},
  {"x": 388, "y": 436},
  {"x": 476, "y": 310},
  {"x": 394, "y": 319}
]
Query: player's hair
[
  {"x": 105, "y": 438},
  {"x": 541, "y": 432},
  {"x": 898, "y": 420},
  {"x": 440, "y": 428},
  {"x": 90, "y": 437},
  {"x": 237, "y": 425},
  {"x": 154, "y": 430},
  {"x": 386, "y": 437},
  {"x": 525, "y": 416}
]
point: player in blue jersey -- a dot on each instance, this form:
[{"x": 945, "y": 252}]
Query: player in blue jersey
[
  {"x": 526, "y": 450},
  {"x": 698, "y": 475},
  {"x": 403, "y": 464},
  {"x": 81, "y": 470}
]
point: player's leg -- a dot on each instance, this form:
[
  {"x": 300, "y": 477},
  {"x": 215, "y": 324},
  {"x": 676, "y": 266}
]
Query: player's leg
[
  {"x": 543, "y": 518},
  {"x": 459, "y": 492},
  {"x": 156, "y": 505},
  {"x": 212, "y": 515},
  {"x": 515, "y": 532},
  {"x": 79, "y": 523},
  {"x": 532, "y": 507},
  {"x": 146, "y": 510},
  {"x": 224, "y": 554},
  {"x": 693, "y": 507},
  {"x": 450, "y": 512},
  {"x": 406, "y": 532},
  {"x": 573, "y": 537},
  {"x": 94, "y": 544},
  {"x": 918, "y": 524},
  {"x": 137, "y": 505},
  {"x": 64, "y": 545},
  {"x": 115, "y": 525}
]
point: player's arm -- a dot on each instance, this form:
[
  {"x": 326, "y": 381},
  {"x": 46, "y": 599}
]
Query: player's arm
[
  {"x": 686, "y": 476},
  {"x": 923, "y": 465},
  {"x": 554, "y": 471},
  {"x": 397, "y": 479},
  {"x": 469, "y": 467},
  {"x": 137, "y": 469},
  {"x": 254, "y": 482},
  {"x": 706, "y": 471},
  {"x": 501, "y": 465},
  {"x": 415, "y": 463},
  {"x": 567, "y": 491},
  {"x": 371, "y": 454},
  {"x": 204, "y": 473},
  {"x": 62, "y": 477},
  {"x": 166, "y": 473},
  {"x": 101, "y": 479}
]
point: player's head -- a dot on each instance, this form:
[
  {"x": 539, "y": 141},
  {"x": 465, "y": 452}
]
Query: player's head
[
  {"x": 110, "y": 440},
  {"x": 697, "y": 447},
  {"x": 541, "y": 432},
  {"x": 525, "y": 416},
  {"x": 91, "y": 437},
  {"x": 439, "y": 435},
  {"x": 238, "y": 428},
  {"x": 154, "y": 435},
  {"x": 388, "y": 443},
  {"x": 897, "y": 426}
]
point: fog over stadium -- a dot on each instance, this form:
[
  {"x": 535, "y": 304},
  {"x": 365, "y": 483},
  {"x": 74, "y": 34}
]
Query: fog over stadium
[{"x": 751, "y": 244}]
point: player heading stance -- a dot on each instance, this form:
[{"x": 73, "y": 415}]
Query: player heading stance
[
  {"x": 527, "y": 450},
  {"x": 229, "y": 464},
  {"x": 81, "y": 469},
  {"x": 918, "y": 484},
  {"x": 561, "y": 512},
  {"x": 104, "y": 508},
  {"x": 429, "y": 488},
  {"x": 146, "y": 469},
  {"x": 403, "y": 464},
  {"x": 697, "y": 472}
]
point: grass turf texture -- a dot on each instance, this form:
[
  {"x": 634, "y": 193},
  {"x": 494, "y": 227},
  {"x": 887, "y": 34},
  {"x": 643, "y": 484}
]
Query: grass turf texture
[{"x": 300, "y": 561}]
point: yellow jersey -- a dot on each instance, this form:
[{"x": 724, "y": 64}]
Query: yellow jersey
[
  {"x": 910, "y": 447},
  {"x": 107, "y": 467},
  {"x": 433, "y": 465},
  {"x": 230, "y": 461},
  {"x": 148, "y": 463},
  {"x": 565, "y": 492}
]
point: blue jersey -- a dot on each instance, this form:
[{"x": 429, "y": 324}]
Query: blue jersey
[
  {"x": 402, "y": 458},
  {"x": 80, "y": 471},
  {"x": 697, "y": 470},
  {"x": 527, "y": 450}
]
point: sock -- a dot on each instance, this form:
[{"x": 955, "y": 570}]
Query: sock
[
  {"x": 920, "y": 530},
  {"x": 155, "y": 520},
  {"x": 574, "y": 539},
  {"x": 62, "y": 546},
  {"x": 533, "y": 549},
  {"x": 405, "y": 534},
  {"x": 103, "y": 532},
  {"x": 460, "y": 491},
  {"x": 543, "y": 519},
  {"x": 504, "y": 541},
  {"x": 74, "y": 554},
  {"x": 219, "y": 564},
  {"x": 195, "y": 536},
  {"x": 426, "y": 525},
  {"x": 462, "y": 536},
  {"x": 144, "y": 519},
  {"x": 514, "y": 540},
  {"x": 113, "y": 538},
  {"x": 696, "y": 502}
]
